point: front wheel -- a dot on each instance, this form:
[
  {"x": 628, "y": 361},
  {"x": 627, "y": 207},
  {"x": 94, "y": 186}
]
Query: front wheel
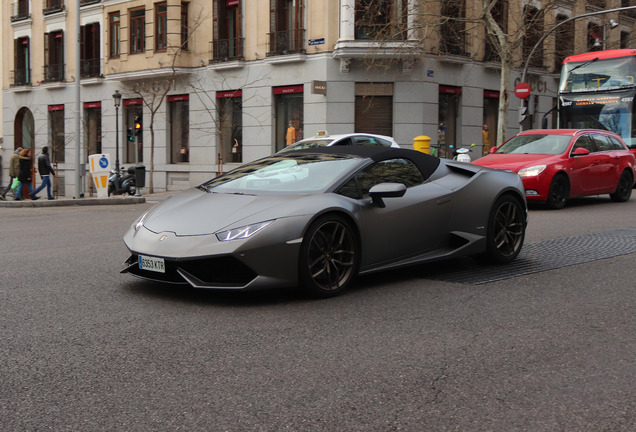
[
  {"x": 623, "y": 188},
  {"x": 558, "y": 193},
  {"x": 506, "y": 230},
  {"x": 329, "y": 257}
]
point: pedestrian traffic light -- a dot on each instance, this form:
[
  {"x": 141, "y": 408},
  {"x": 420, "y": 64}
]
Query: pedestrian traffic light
[{"x": 138, "y": 126}]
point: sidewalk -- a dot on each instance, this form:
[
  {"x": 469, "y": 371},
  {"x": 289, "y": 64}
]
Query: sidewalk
[{"x": 68, "y": 201}]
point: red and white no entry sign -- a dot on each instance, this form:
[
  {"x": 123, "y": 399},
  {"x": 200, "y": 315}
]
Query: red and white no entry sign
[{"x": 522, "y": 90}]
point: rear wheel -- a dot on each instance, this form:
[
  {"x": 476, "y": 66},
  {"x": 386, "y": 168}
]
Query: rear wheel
[
  {"x": 506, "y": 230},
  {"x": 559, "y": 192},
  {"x": 623, "y": 188},
  {"x": 329, "y": 257}
]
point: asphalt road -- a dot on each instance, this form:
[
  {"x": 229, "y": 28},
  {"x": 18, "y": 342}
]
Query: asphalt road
[{"x": 85, "y": 348}]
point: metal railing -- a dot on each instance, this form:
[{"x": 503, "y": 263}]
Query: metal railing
[
  {"x": 90, "y": 68},
  {"x": 52, "y": 6},
  {"x": 286, "y": 42},
  {"x": 54, "y": 72},
  {"x": 226, "y": 50},
  {"x": 20, "y": 77}
]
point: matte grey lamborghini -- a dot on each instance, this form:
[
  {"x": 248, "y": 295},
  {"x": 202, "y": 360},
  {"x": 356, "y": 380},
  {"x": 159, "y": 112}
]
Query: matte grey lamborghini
[{"x": 317, "y": 218}]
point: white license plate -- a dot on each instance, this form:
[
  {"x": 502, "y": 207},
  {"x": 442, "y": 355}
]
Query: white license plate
[{"x": 152, "y": 264}]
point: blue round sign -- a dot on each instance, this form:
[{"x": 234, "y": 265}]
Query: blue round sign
[{"x": 103, "y": 162}]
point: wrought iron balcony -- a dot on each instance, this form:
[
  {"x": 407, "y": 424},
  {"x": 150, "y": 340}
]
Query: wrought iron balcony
[
  {"x": 90, "y": 68},
  {"x": 54, "y": 72},
  {"x": 53, "y": 6},
  {"x": 286, "y": 42},
  {"x": 21, "y": 77},
  {"x": 226, "y": 50}
]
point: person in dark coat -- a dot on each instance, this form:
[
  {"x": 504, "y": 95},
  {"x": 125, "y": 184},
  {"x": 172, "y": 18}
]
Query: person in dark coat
[
  {"x": 14, "y": 169},
  {"x": 46, "y": 172},
  {"x": 26, "y": 160}
]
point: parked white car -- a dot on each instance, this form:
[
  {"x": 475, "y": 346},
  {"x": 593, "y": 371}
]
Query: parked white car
[{"x": 322, "y": 139}]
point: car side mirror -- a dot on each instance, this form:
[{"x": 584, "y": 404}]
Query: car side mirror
[
  {"x": 492, "y": 150},
  {"x": 386, "y": 190},
  {"x": 580, "y": 151}
]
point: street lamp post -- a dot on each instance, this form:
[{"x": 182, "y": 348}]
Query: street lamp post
[{"x": 117, "y": 102}]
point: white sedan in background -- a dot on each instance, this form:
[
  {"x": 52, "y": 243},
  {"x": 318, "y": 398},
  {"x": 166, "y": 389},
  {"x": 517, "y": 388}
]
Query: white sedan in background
[{"x": 322, "y": 139}]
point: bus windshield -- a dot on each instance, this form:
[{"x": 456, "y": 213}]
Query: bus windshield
[{"x": 598, "y": 75}]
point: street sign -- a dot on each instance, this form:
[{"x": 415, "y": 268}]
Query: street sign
[{"x": 522, "y": 90}]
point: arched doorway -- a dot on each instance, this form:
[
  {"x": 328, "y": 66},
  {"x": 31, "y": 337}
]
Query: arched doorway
[{"x": 23, "y": 129}]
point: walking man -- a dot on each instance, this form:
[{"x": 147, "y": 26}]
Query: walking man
[{"x": 46, "y": 171}]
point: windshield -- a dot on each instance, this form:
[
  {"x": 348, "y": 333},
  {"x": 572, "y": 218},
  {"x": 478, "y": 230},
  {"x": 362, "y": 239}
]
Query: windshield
[
  {"x": 536, "y": 144},
  {"x": 598, "y": 75},
  {"x": 308, "y": 173}
]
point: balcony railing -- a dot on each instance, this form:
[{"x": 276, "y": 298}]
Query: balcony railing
[
  {"x": 86, "y": 2},
  {"x": 90, "y": 68},
  {"x": 21, "y": 77},
  {"x": 20, "y": 10},
  {"x": 286, "y": 42},
  {"x": 226, "y": 50},
  {"x": 54, "y": 72},
  {"x": 52, "y": 6}
]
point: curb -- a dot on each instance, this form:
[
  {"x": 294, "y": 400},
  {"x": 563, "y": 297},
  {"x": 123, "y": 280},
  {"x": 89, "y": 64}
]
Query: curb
[{"x": 66, "y": 202}]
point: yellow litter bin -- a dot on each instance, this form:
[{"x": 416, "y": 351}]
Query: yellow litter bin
[{"x": 422, "y": 143}]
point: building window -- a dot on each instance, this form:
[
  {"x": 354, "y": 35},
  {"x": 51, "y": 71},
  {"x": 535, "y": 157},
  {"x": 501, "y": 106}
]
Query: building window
[
  {"x": 289, "y": 115},
  {"x": 533, "y": 24},
  {"x": 114, "y": 25},
  {"x": 448, "y": 119},
  {"x": 374, "y": 108},
  {"x": 56, "y": 133},
  {"x": 228, "y": 43},
  {"x": 453, "y": 28},
  {"x": 179, "y": 128},
  {"x": 184, "y": 26},
  {"x": 564, "y": 41},
  {"x": 90, "y": 60},
  {"x": 137, "y": 30},
  {"x": 230, "y": 110},
  {"x": 22, "y": 61},
  {"x": 287, "y": 28},
  {"x": 20, "y": 10},
  {"x": 499, "y": 13},
  {"x": 381, "y": 19},
  {"x": 161, "y": 26},
  {"x": 54, "y": 56},
  {"x": 93, "y": 126},
  {"x": 52, "y": 6}
]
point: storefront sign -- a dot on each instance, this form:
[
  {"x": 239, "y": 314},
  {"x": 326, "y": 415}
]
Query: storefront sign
[
  {"x": 289, "y": 89},
  {"x": 88, "y": 105},
  {"x": 56, "y": 107},
  {"x": 229, "y": 93},
  {"x": 450, "y": 90},
  {"x": 319, "y": 87},
  {"x": 128, "y": 102},
  {"x": 177, "y": 98}
]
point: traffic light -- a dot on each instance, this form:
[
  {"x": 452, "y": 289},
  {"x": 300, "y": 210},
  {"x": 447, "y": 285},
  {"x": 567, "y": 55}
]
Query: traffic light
[
  {"x": 523, "y": 113},
  {"x": 138, "y": 126},
  {"x": 129, "y": 134}
]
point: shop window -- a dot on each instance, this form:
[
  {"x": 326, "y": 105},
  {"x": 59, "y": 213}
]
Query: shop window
[
  {"x": 448, "y": 119},
  {"x": 179, "y": 128},
  {"x": 289, "y": 115},
  {"x": 230, "y": 111}
]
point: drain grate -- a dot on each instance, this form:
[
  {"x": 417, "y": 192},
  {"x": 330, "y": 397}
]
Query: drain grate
[{"x": 542, "y": 256}]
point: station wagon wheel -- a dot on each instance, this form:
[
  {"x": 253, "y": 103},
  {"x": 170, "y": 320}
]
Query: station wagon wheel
[
  {"x": 558, "y": 193},
  {"x": 506, "y": 230},
  {"x": 329, "y": 257},
  {"x": 623, "y": 188}
]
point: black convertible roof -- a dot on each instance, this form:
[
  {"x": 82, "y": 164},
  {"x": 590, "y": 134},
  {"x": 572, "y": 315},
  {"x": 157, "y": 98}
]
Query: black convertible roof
[{"x": 426, "y": 163}]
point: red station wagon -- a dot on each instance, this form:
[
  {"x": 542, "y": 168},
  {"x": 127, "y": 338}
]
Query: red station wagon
[{"x": 557, "y": 164}]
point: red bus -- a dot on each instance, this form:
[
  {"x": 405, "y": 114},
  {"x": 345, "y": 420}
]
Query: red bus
[{"x": 597, "y": 91}]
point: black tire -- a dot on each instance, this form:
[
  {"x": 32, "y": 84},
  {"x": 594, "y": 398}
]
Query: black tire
[
  {"x": 623, "y": 188},
  {"x": 558, "y": 193},
  {"x": 506, "y": 230},
  {"x": 329, "y": 257}
]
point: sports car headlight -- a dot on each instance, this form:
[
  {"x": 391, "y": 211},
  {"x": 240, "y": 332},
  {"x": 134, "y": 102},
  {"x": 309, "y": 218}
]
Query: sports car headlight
[
  {"x": 532, "y": 171},
  {"x": 139, "y": 222},
  {"x": 242, "y": 232}
]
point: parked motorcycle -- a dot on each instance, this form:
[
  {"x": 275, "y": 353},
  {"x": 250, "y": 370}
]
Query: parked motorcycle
[
  {"x": 462, "y": 155},
  {"x": 123, "y": 183}
]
